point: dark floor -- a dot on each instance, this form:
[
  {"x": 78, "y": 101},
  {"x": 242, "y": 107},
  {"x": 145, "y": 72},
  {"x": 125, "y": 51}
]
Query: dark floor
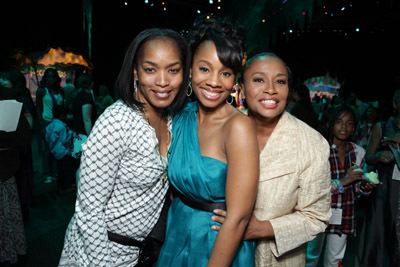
[{"x": 50, "y": 214}]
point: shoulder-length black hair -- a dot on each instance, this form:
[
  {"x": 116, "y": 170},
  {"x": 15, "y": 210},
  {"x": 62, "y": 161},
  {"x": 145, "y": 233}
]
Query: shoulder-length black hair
[
  {"x": 124, "y": 84},
  {"x": 336, "y": 114},
  {"x": 43, "y": 81},
  {"x": 229, "y": 39}
]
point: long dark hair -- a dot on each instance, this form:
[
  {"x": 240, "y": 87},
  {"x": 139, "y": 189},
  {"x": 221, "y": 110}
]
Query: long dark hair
[
  {"x": 335, "y": 115},
  {"x": 44, "y": 81},
  {"x": 124, "y": 84}
]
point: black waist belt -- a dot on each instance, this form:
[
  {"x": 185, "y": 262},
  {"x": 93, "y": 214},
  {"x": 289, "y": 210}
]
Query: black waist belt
[
  {"x": 124, "y": 240},
  {"x": 204, "y": 206}
]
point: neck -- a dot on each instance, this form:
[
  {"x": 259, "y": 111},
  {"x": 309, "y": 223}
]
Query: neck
[
  {"x": 153, "y": 114},
  {"x": 264, "y": 125},
  {"x": 205, "y": 114},
  {"x": 264, "y": 128},
  {"x": 340, "y": 143}
]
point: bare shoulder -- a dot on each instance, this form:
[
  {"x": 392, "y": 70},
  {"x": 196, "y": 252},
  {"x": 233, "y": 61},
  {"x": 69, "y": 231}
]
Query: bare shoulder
[
  {"x": 239, "y": 122},
  {"x": 240, "y": 125}
]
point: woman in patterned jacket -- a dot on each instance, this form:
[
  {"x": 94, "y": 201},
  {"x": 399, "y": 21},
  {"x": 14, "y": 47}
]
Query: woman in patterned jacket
[{"x": 122, "y": 182}]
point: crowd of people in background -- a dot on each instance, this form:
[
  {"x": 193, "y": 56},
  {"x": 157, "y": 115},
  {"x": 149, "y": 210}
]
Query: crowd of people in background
[
  {"x": 49, "y": 123},
  {"x": 351, "y": 136}
]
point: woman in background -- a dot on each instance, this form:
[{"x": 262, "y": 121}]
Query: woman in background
[{"x": 48, "y": 95}]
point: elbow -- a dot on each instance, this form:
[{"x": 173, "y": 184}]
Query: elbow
[{"x": 240, "y": 221}]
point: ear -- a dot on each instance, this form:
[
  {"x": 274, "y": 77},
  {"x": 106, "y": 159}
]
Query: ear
[
  {"x": 241, "y": 90},
  {"x": 190, "y": 73},
  {"x": 135, "y": 74}
]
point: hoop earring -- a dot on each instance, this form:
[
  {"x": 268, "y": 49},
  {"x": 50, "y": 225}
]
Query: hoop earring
[
  {"x": 190, "y": 90},
  {"x": 230, "y": 102}
]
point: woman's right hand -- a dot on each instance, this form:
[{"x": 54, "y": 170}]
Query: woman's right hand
[{"x": 353, "y": 174}]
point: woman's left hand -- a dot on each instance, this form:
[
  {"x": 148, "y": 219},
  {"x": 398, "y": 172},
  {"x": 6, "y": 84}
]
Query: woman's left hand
[{"x": 366, "y": 186}]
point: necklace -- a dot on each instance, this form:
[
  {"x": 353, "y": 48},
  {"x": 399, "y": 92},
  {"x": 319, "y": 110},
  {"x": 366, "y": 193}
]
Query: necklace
[{"x": 164, "y": 166}]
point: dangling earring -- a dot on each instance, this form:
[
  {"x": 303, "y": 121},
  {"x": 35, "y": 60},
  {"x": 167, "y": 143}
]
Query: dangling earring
[
  {"x": 135, "y": 93},
  {"x": 230, "y": 96},
  {"x": 190, "y": 90},
  {"x": 230, "y": 102}
]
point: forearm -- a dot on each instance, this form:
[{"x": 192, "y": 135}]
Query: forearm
[
  {"x": 87, "y": 118},
  {"x": 88, "y": 127},
  {"x": 227, "y": 242}
]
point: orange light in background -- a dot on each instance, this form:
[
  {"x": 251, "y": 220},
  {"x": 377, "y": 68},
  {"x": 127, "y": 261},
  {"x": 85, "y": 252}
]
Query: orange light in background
[{"x": 60, "y": 56}]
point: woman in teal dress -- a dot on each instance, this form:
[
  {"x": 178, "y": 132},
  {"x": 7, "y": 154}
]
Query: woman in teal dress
[{"x": 213, "y": 158}]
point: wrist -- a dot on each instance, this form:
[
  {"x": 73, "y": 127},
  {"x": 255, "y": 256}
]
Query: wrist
[{"x": 266, "y": 229}]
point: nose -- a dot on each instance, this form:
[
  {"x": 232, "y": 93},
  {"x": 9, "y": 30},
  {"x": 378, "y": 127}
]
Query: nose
[
  {"x": 162, "y": 79},
  {"x": 270, "y": 87},
  {"x": 213, "y": 81}
]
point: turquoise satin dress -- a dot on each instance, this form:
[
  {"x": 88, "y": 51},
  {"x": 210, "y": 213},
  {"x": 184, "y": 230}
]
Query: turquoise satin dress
[{"x": 189, "y": 237}]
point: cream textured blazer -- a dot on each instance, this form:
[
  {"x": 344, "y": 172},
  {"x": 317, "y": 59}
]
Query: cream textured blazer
[{"x": 293, "y": 192}]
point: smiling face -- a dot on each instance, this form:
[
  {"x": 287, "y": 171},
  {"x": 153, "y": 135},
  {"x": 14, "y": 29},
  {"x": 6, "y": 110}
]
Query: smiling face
[
  {"x": 212, "y": 82},
  {"x": 158, "y": 72},
  {"x": 265, "y": 85},
  {"x": 343, "y": 127}
]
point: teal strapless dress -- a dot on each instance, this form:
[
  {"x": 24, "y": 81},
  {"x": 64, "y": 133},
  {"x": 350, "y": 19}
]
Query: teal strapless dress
[{"x": 189, "y": 237}]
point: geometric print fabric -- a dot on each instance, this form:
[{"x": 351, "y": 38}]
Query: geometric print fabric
[{"x": 120, "y": 189}]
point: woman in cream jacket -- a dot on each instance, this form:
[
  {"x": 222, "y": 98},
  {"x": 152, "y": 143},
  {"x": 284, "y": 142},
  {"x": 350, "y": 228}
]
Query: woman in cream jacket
[{"x": 293, "y": 201}]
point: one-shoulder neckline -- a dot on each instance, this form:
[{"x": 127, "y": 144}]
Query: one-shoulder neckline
[
  {"x": 214, "y": 159},
  {"x": 194, "y": 110}
]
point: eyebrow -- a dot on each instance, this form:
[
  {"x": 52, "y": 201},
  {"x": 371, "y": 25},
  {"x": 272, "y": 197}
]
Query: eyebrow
[
  {"x": 264, "y": 73},
  {"x": 168, "y": 66}
]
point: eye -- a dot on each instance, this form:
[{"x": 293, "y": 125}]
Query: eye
[
  {"x": 258, "y": 80},
  {"x": 204, "y": 69},
  {"x": 227, "y": 74},
  {"x": 281, "y": 81},
  {"x": 149, "y": 69},
  {"x": 175, "y": 70}
]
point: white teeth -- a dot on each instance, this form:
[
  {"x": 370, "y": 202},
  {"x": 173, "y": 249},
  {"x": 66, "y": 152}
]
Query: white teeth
[
  {"x": 162, "y": 94},
  {"x": 210, "y": 93},
  {"x": 268, "y": 102}
]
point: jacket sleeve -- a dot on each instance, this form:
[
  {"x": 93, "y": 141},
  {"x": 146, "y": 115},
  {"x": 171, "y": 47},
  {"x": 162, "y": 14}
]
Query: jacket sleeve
[
  {"x": 102, "y": 154},
  {"x": 313, "y": 209}
]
